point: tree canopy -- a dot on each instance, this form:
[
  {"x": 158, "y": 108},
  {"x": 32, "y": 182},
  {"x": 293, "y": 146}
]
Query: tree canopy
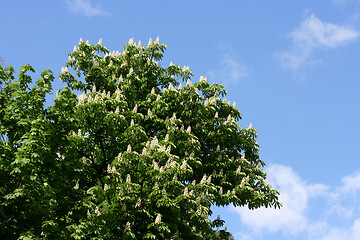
[{"x": 128, "y": 150}]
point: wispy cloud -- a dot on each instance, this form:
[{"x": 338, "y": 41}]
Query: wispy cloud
[
  {"x": 231, "y": 70},
  {"x": 85, "y": 7},
  {"x": 295, "y": 219},
  {"x": 313, "y": 34}
]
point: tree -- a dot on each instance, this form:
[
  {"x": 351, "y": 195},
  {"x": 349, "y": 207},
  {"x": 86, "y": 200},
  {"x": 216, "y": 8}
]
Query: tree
[{"x": 135, "y": 156}]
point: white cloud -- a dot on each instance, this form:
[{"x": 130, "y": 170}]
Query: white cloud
[
  {"x": 351, "y": 183},
  {"x": 230, "y": 70},
  {"x": 294, "y": 195},
  {"x": 352, "y": 233},
  {"x": 314, "y": 34},
  {"x": 335, "y": 220},
  {"x": 233, "y": 68},
  {"x": 85, "y": 7}
]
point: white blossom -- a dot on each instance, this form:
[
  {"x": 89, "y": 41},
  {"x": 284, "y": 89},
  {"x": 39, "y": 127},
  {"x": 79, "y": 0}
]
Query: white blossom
[
  {"x": 81, "y": 98},
  {"x": 150, "y": 42},
  {"x": 188, "y": 130},
  {"x": 144, "y": 151},
  {"x": 166, "y": 137},
  {"x": 94, "y": 88},
  {"x": 229, "y": 118},
  {"x": 250, "y": 126},
  {"x": 157, "y": 39},
  {"x": 135, "y": 108},
  {"x": 97, "y": 212},
  {"x": 216, "y": 115},
  {"x": 208, "y": 181},
  {"x": 131, "y": 41},
  {"x": 106, "y": 187},
  {"x": 243, "y": 182},
  {"x": 188, "y": 83},
  {"x": 117, "y": 111},
  {"x": 183, "y": 165},
  {"x": 149, "y": 113},
  {"x": 139, "y": 44},
  {"x": 204, "y": 179},
  {"x": 128, "y": 178},
  {"x": 119, "y": 157},
  {"x": 77, "y": 185},
  {"x": 206, "y": 102},
  {"x": 127, "y": 227},
  {"x": 128, "y": 148},
  {"x": 172, "y": 163},
  {"x": 168, "y": 149},
  {"x": 138, "y": 203},
  {"x": 186, "y": 193},
  {"x": 162, "y": 148},
  {"x": 155, "y": 164},
  {"x": 158, "y": 219},
  {"x": 218, "y": 148},
  {"x": 154, "y": 142}
]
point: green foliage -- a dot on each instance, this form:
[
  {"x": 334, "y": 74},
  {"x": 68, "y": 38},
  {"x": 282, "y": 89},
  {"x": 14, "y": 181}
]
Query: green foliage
[{"x": 135, "y": 156}]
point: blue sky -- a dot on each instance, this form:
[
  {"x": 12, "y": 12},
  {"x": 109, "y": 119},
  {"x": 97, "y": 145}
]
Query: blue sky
[{"x": 291, "y": 66}]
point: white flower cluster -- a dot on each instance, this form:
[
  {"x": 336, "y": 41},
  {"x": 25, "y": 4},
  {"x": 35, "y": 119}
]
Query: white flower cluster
[
  {"x": 203, "y": 79},
  {"x": 158, "y": 219},
  {"x": 111, "y": 170},
  {"x": 64, "y": 69},
  {"x": 127, "y": 227},
  {"x": 244, "y": 180}
]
